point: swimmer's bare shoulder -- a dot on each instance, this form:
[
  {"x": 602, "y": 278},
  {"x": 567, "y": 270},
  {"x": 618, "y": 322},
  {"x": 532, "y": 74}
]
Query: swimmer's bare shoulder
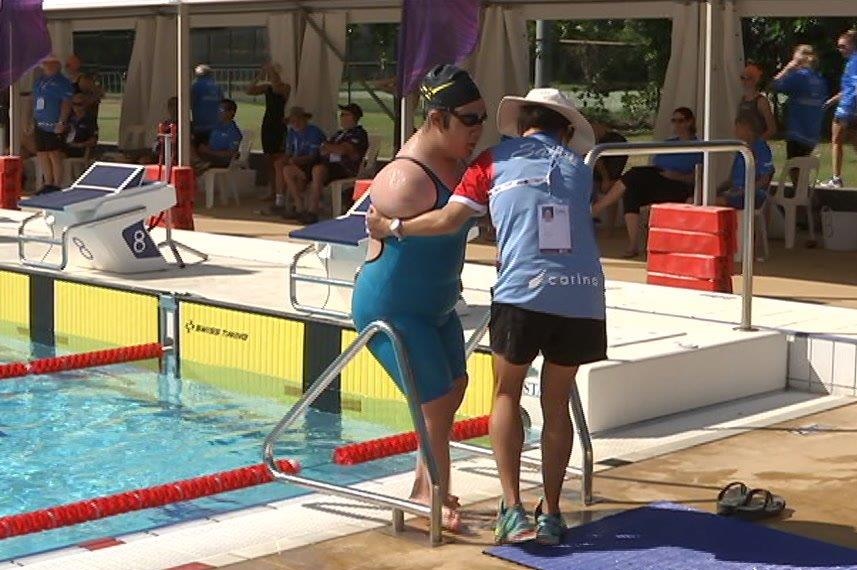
[{"x": 403, "y": 190}]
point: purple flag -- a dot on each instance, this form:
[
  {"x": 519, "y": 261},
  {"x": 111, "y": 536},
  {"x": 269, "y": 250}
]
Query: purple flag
[
  {"x": 24, "y": 38},
  {"x": 433, "y": 32}
]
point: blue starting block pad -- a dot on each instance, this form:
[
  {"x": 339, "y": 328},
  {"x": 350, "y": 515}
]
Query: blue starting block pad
[
  {"x": 667, "y": 536},
  {"x": 59, "y": 200},
  {"x": 348, "y": 229}
]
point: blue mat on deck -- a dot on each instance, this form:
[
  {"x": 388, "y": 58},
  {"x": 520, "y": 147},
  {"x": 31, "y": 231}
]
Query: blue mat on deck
[{"x": 667, "y": 536}]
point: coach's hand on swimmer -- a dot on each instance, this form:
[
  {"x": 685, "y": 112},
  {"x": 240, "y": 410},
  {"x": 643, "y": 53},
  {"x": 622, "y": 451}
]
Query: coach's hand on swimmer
[{"x": 377, "y": 225}]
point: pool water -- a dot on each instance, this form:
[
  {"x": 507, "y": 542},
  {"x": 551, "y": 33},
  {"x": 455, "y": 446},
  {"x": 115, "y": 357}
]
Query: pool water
[{"x": 89, "y": 433}]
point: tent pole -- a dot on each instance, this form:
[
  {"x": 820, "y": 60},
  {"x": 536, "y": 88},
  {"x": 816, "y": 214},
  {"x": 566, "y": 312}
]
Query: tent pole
[
  {"x": 182, "y": 83},
  {"x": 14, "y": 127},
  {"x": 709, "y": 21},
  {"x": 541, "y": 79}
]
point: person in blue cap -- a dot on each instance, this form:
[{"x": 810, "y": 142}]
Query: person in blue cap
[{"x": 414, "y": 284}]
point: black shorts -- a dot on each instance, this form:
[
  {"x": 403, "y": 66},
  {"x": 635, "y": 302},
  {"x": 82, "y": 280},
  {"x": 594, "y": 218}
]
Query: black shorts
[
  {"x": 48, "y": 141},
  {"x": 335, "y": 170},
  {"x": 646, "y": 185},
  {"x": 794, "y": 148},
  {"x": 519, "y": 335}
]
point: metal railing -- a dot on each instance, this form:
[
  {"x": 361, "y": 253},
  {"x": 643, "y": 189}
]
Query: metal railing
[
  {"x": 399, "y": 506},
  {"x": 707, "y": 147}
]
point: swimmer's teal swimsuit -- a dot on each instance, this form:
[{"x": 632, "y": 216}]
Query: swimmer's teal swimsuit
[{"x": 414, "y": 285}]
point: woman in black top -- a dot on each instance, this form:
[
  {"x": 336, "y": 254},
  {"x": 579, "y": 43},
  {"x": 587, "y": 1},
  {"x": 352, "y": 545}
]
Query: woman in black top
[{"x": 269, "y": 83}]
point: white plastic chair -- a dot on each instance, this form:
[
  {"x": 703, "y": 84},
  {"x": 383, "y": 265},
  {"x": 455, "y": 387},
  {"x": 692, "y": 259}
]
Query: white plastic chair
[
  {"x": 225, "y": 179},
  {"x": 807, "y": 167},
  {"x": 367, "y": 170}
]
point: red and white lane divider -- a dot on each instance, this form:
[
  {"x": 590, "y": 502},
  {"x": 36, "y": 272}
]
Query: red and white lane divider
[
  {"x": 82, "y": 360},
  {"x": 147, "y": 498},
  {"x": 361, "y": 452}
]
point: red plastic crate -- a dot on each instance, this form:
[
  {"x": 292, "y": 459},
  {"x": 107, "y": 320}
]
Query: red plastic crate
[
  {"x": 714, "y": 285},
  {"x": 679, "y": 241},
  {"x": 691, "y": 265},
  {"x": 687, "y": 217}
]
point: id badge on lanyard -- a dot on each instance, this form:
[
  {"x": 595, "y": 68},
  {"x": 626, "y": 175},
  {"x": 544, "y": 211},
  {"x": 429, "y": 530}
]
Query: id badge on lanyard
[
  {"x": 554, "y": 228},
  {"x": 554, "y": 219}
]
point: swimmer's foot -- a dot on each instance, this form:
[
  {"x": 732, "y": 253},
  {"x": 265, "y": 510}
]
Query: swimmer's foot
[{"x": 450, "y": 518}]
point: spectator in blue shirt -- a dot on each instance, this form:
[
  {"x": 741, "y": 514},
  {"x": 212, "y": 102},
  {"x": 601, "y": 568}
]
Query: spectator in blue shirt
[
  {"x": 845, "y": 117},
  {"x": 746, "y": 129},
  {"x": 669, "y": 179},
  {"x": 302, "y": 144},
  {"x": 205, "y": 98},
  {"x": 52, "y": 94},
  {"x": 807, "y": 93},
  {"x": 223, "y": 140}
]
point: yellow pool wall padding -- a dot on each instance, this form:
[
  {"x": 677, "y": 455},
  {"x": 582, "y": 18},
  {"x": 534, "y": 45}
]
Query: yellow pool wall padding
[
  {"x": 366, "y": 378},
  {"x": 88, "y": 317},
  {"x": 243, "y": 344},
  {"x": 15, "y": 299}
]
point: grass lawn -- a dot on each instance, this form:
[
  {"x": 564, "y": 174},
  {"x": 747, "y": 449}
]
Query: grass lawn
[{"x": 377, "y": 122}]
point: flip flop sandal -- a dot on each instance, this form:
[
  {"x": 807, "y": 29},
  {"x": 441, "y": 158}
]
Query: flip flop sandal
[
  {"x": 760, "y": 504},
  {"x": 730, "y": 497}
]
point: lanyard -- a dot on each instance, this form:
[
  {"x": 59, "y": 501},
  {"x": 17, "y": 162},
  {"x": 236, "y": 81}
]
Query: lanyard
[{"x": 556, "y": 154}]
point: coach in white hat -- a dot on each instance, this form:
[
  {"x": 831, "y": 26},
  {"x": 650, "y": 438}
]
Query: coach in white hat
[
  {"x": 549, "y": 295},
  {"x": 583, "y": 137}
]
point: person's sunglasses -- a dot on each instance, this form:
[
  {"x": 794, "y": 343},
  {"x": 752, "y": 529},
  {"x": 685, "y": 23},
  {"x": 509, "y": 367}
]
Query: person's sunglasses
[
  {"x": 842, "y": 47},
  {"x": 469, "y": 119},
  {"x": 678, "y": 120}
]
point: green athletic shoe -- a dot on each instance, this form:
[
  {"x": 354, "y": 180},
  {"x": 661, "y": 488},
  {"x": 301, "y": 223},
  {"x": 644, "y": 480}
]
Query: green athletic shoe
[
  {"x": 513, "y": 525},
  {"x": 549, "y": 528}
]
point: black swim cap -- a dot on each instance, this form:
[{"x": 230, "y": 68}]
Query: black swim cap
[{"x": 448, "y": 87}]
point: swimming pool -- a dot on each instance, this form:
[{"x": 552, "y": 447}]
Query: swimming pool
[{"x": 88, "y": 433}]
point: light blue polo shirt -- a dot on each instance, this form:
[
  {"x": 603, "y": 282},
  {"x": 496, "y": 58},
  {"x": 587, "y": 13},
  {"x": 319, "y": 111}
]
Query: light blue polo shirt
[{"x": 514, "y": 179}]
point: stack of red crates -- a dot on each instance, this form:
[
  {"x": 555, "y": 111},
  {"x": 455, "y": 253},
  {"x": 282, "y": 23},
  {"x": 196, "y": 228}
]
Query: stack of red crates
[{"x": 692, "y": 246}]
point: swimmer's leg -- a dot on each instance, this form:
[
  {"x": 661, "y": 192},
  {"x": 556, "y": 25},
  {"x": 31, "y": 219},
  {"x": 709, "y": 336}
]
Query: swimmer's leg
[{"x": 438, "y": 390}]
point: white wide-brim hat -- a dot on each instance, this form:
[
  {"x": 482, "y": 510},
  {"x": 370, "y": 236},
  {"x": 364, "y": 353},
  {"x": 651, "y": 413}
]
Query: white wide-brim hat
[{"x": 507, "y": 116}]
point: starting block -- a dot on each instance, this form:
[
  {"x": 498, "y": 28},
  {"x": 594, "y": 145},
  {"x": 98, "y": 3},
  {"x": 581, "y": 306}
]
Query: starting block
[
  {"x": 341, "y": 244},
  {"x": 98, "y": 222}
]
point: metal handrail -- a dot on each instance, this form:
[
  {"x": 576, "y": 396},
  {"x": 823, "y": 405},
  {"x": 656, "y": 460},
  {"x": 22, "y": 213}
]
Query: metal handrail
[
  {"x": 295, "y": 277},
  {"x": 399, "y": 506},
  {"x": 678, "y": 147}
]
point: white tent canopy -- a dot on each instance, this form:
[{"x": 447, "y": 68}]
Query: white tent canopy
[{"x": 501, "y": 63}]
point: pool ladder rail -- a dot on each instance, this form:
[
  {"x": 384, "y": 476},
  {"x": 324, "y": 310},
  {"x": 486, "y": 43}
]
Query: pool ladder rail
[{"x": 400, "y": 506}]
